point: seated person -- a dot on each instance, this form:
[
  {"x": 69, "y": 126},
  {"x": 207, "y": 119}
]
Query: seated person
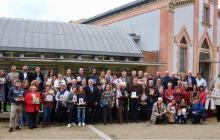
[
  {"x": 196, "y": 109},
  {"x": 182, "y": 113},
  {"x": 172, "y": 111},
  {"x": 158, "y": 115}
]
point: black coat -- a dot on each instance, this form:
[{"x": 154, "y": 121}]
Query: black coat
[
  {"x": 193, "y": 80},
  {"x": 91, "y": 97},
  {"x": 29, "y": 76},
  {"x": 41, "y": 85}
]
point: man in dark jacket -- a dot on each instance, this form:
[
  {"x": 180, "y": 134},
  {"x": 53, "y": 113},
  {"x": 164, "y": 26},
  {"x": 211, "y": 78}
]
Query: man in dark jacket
[
  {"x": 25, "y": 75},
  {"x": 92, "y": 101},
  {"x": 40, "y": 77},
  {"x": 94, "y": 76},
  {"x": 191, "y": 80},
  {"x": 166, "y": 79}
]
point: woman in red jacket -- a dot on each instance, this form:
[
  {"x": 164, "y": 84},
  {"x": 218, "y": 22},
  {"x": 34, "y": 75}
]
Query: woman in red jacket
[{"x": 32, "y": 101}]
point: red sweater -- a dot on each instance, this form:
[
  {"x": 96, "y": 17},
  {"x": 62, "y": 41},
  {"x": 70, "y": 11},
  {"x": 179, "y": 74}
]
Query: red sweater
[
  {"x": 30, "y": 107},
  {"x": 202, "y": 97}
]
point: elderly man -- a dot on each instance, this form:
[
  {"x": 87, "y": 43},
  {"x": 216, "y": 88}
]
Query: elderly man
[
  {"x": 191, "y": 80},
  {"x": 92, "y": 101},
  {"x": 166, "y": 79},
  {"x": 200, "y": 81}
]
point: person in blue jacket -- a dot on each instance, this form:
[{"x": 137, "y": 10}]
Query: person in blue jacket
[{"x": 196, "y": 110}]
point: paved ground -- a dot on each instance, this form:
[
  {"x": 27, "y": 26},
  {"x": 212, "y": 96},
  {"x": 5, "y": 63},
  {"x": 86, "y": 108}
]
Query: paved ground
[{"x": 208, "y": 130}]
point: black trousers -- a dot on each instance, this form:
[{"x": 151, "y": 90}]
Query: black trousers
[
  {"x": 90, "y": 114},
  {"x": 134, "y": 110},
  {"x": 218, "y": 112},
  {"x": 62, "y": 114},
  {"x": 107, "y": 114},
  {"x": 32, "y": 118},
  {"x": 143, "y": 112}
]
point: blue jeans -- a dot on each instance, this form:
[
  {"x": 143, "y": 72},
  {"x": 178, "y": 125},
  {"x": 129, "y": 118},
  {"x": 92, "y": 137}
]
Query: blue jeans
[
  {"x": 70, "y": 116},
  {"x": 46, "y": 115},
  {"x": 181, "y": 119},
  {"x": 81, "y": 114}
]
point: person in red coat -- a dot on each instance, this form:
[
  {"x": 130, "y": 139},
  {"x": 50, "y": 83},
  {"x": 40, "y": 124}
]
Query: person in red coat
[
  {"x": 32, "y": 102},
  {"x": 202, "y": 95}
]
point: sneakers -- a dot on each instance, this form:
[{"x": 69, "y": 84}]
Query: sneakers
[
  {"x": 83, "y": 124},
  {"x": 10, "y": 129},
  {"x": 73, "y": 124},
  {"x": 79, "y": 124},
  {"x": 69, "y": 125}
]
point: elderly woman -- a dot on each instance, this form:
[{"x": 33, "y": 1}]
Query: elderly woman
[
  {"x": 209, "y": 103},
  {"x": 158, "y": 115},
  {"x": 32, "y": 102}
]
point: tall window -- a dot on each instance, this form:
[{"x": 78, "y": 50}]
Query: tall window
[
  {"x": 182, "y": 58},
  {"x": 205, "y": 45},
  {"x": 206, "y": 12}
]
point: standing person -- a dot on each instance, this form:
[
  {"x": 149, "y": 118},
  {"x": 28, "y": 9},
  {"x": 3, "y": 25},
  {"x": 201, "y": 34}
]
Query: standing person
[
  {"x": 152, "y": 94},
  {"x": 119, "y": 102},
  {"x": 133, "y": 75},
  {"x": 23, "y": 115},
  {"x": 49, "y": 80},
  {"x": 106, "y": 104},
  {"x": 143, "y": 103},
  {"x": 13, "y": 75},
  {"x": 216, "y": 97},
  {"x": 39, "y": 77},
  {"x": 61, "y": 98},
  {"x": 32, "y": 104},
  {"x": 80, "y": 76},
  {"x": 159, "y": 87},
  {"x": 156, "y": 77},
  {"x": 108, "y": 77},
  {"x": 92, "y": 101},
  {"x": 81, "y": 106},
  {"x": 102, "y": 80},
  {"x": 68, "y": 79},
  {"x": 186, "y": 93},
  {"x": 25, "y": 74},
  {"x": 124, "y": 90},
  {"x": 166, "y": 79},
  {"x": 58, "y": 82},
  {"x": 48, "y": 99},
  {"x": 16, "y": 97},
  {"x": 169, "y": 94},
  {"x": 178, "y": 91},
  {"x": 191, "y": 80},
  {"x": 210, "y": 103},
  {"x": 194, "y": 93},
  {"x": 71, "y": 106},
  {"x": 174, "y": 79},
  {"x": 200, "y": 81},
  {"x": 158, "y": 115},
  {"x": 94, "y": 76},
  {"x": 135, "y": 92},
  {"x": 3, "y": 91},
  {"x": 196, "y": 110},
  {"x": 124, "y": 78}
]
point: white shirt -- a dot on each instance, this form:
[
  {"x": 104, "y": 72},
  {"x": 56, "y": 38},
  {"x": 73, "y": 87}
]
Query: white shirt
[{"x": 201, "y": 82}]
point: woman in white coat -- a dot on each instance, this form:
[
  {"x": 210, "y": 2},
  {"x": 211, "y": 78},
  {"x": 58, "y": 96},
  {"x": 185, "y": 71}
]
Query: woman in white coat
[
  {"x": 209, "y": 103},
  {"x": 217, "y": 103}
]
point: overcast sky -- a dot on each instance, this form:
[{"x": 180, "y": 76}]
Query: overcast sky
[{"x": 59, "y": 10}]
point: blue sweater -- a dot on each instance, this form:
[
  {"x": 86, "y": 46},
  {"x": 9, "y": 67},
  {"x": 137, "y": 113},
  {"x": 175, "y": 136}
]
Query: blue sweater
[
  {"x": 15, "y": 93},
  {"x": 198, "y": 108}
]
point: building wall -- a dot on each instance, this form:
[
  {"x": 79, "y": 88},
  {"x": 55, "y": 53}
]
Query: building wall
[
  {"x": 183, "y": 18},
  {"x": 147, "y": 26}
]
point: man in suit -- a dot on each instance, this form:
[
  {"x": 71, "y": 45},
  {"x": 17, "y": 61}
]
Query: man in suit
[
  {"x": 25, "y": 75},
  {"x": 92, "y": 101},
  {"x": 40, "y": 77},
  {"x": 191, "y": 80}
]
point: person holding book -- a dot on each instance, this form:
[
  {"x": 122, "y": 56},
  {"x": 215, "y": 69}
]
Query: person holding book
[
  {"x": 16, "y": 98},
  {"x": 182, "y": 113},
  {"x": 106, "y": 104},
  {"x": 48, "y": 99},
  {"x": 32, "y": 102},
  {"x": 81, "y": 106},
  {"x": 71, "y": 106},
  {"x": 61, "y": 108},
  {"x": 135, "y": 91}
]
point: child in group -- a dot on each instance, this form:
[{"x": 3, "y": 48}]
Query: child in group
[
  {"x": 48, "y": 99},
  {"x": 71, "y": 105},
  {"x": 197, "y": 110},
  {"x": 81, "y": 106}
]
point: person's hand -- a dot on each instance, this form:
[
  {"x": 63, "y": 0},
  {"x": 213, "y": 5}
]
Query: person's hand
[{"x": 96, "y": 103}]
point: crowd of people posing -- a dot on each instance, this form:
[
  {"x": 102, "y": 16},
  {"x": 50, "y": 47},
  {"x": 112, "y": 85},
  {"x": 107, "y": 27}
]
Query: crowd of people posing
[{"x": 77, "y": 99}]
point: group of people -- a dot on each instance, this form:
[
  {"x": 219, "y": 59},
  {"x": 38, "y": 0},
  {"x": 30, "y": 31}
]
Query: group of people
[{"x": 77, "y": 99}]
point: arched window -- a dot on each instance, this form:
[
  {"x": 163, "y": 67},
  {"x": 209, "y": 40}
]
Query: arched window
[
  {"x": 205, "y": 45},
  {"x": 183, "y": 53}
]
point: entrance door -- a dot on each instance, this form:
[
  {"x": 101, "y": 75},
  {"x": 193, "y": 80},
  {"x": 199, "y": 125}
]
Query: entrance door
[{"x": 204, "y": 69}]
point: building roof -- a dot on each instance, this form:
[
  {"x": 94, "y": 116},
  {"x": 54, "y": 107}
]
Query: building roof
[
  {"x": 61, "y": 37},
  {"x": 117, "y": 10}
]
